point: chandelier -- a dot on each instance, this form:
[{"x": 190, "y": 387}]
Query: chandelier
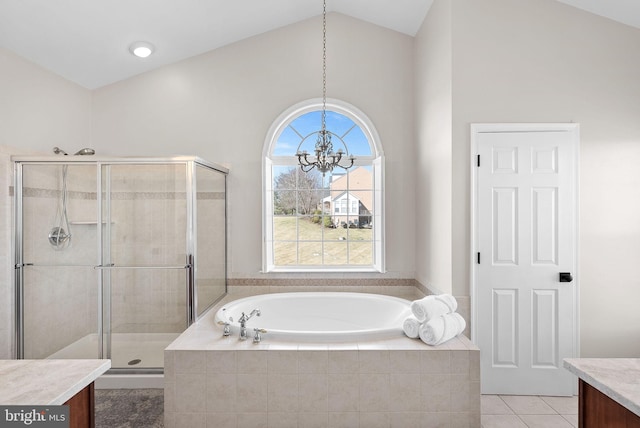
[{"x": 324, "y": 159}]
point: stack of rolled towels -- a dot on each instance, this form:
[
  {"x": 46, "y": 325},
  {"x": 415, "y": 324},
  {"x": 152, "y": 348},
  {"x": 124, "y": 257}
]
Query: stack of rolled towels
[{"x": 434, "y": 319}]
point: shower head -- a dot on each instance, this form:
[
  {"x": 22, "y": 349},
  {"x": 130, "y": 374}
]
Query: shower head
[
  {"x": 59, "y": 151},
  {"x": 85, "y": 152}
]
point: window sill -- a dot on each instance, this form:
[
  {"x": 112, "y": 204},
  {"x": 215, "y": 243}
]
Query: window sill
[{"x": 364, "y": 269}]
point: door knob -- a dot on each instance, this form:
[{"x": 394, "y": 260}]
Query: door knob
[{"x": 566, "y": 277}]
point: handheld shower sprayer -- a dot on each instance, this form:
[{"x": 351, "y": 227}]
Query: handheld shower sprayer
[{"x": 59, "y": 237}]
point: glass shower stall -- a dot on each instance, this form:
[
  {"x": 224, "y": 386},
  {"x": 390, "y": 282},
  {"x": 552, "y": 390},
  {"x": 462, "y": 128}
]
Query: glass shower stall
[{"x": 115, "y": 257}]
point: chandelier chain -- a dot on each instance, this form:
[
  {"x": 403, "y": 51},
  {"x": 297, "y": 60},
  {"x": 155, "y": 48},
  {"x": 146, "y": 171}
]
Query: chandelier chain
[
  {"x": 324, "y": 159},
  {"x": 324, "y": 65}
]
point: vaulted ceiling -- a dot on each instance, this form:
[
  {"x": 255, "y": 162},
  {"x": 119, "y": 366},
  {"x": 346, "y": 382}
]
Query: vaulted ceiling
[{"x": 87, "y": 42}]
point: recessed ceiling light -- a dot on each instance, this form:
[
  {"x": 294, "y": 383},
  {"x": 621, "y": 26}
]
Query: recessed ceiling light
[{"x": 141, "y": 49}]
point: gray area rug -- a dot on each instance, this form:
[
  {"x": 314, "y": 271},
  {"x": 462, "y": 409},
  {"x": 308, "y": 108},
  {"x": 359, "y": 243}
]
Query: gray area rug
[{"x": 129, "y": 408}]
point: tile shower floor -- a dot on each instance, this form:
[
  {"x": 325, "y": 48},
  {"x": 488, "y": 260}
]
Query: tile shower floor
[{"x": 517, "y": 411}]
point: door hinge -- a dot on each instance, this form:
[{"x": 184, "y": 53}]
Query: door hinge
[
  {"x": 478, "y": 161},
  {"x": 478, "y": 261}
]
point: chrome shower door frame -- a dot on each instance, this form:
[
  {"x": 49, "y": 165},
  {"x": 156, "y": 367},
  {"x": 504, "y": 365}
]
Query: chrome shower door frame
[{"x": 18, "y": 262}]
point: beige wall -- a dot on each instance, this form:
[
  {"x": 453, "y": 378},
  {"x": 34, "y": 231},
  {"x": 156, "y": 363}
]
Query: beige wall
[
  {"x": 433, "y": 115},
  {"x": 220, "y": 105},
  {"x": 39, "y": 110},
  {"x": 543, "y": 61}
]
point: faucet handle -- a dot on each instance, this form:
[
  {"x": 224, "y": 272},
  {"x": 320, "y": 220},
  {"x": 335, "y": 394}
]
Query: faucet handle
[
  {"x": 227, "y": 331},
  {"x": 257, "y": 336}
]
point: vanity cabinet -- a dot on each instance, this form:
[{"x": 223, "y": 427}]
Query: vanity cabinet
[
  {"x": 596, "y": 410},
  {"x": 82, "y": 412},
  {"x": 608, "y": 391}
]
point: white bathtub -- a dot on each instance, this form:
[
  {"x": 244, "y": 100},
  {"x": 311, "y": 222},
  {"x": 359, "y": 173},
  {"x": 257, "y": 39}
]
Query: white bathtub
[{"x": 319, "y": 317}]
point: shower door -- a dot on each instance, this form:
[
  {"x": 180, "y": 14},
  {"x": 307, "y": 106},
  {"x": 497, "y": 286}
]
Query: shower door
[
  {"x": 210, "y": 261},
  {"x": 58, "y": 300},
  {"x": 146, "y": 260}
]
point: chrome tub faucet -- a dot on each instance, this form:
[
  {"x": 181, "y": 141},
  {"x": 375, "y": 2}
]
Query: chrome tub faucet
[{"x": 243, "y": 323}]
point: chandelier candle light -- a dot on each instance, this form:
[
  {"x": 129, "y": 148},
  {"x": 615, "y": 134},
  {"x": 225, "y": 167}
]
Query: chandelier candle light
[{"x": 324, "y": 159}]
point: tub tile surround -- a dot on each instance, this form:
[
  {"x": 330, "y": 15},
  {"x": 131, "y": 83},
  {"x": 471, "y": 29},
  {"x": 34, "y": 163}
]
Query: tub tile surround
[{"x": 212, "y": 381}]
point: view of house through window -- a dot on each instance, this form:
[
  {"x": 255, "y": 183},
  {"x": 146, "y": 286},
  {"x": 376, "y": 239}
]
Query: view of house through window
[
  {"x": 315, "y": 221},
  {"x": 322, "y": 221}
]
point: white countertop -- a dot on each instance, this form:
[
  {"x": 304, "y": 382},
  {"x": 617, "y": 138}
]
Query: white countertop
[
  {"x": 618, "y": 378},
  {"x": 46, "y": 382}
]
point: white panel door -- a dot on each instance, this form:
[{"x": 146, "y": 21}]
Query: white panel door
[{"x": 525, "y": 232}]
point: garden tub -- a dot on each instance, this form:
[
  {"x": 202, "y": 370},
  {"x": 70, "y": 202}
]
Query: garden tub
[{"x": 318, "y": 316}]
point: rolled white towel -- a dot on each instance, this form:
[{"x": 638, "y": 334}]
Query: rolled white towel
[
  {"x": 411, "y": 327},
  {"x": 432, "y": 306},
  {"x": 442, "y": 328}
]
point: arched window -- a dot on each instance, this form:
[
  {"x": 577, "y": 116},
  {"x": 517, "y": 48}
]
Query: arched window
[{"x": 316, "y": 222}]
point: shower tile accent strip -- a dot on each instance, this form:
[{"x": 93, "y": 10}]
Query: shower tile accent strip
[
  {"x": 33, "y": 192},
  {"x": 221, "y": 382}
]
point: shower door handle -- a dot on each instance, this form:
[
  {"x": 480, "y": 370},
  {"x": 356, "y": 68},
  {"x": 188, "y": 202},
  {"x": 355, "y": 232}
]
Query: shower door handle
[
  {"x": 191, "y": 291},
  {"x": 21, "y": 265},
  {"x": 112, "y": 266}
]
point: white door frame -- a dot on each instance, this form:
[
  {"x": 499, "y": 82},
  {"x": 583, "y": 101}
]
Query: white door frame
[{"x": 478, "y": 128}]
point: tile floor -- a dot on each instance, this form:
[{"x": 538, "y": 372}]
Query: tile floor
[{"x": 512, "y": 411}]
